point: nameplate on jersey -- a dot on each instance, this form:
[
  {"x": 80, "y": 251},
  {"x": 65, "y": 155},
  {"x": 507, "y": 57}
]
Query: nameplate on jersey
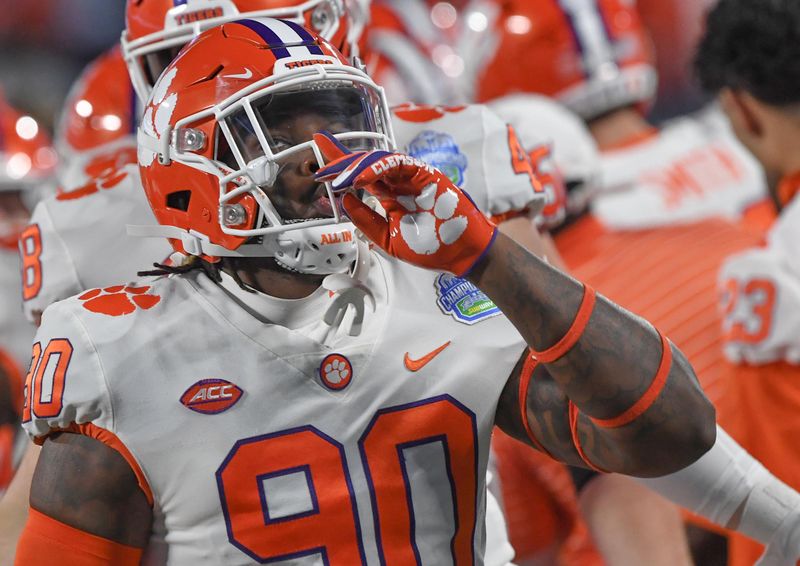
[{"x": 462, "y": 300}]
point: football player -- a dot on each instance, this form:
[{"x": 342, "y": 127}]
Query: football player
[
  {"x": 96, "y": 130},
  {"x": 94, "y": 138},
  {"x": 285, "y": 422},
  {"x": 748, "y": 57}
]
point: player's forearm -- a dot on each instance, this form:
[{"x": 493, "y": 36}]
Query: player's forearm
[{"x": 608, "y": 370}]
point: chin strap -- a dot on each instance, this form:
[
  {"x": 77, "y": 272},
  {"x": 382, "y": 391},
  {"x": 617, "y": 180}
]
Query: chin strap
[{"x": 350, "y": 290}]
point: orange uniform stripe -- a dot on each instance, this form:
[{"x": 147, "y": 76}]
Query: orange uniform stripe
[
  {"x": 574, "y": 413},
  {"x": 524, "y": 383},
  {"x": 649, "y": 397},
  {"x": 575, "y": 331},
  {"x": 47, "y": 541}
]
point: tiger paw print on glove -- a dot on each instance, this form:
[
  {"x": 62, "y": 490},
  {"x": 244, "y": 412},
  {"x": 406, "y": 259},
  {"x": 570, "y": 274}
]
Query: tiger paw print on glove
[
  {"x": 432, "y": 220},
  {"x": 429, "y": 222}
]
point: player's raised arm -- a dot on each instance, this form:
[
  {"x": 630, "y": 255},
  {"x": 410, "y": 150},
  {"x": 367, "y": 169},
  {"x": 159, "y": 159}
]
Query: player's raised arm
[
  {"x": 633, "y": 401},
  {"x": 615, "y": 394}
]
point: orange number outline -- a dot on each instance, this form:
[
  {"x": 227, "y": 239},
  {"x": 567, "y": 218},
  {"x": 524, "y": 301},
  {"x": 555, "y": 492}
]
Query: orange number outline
[
  {"x": 521, "y": 162},
  {"x": 331, "y": 527},
  {"x": 31, "y": 261},
  {"x": 733, "y": 291}
]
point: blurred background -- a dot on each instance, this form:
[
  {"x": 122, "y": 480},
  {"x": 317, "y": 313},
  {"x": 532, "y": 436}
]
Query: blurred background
[{"x": 44, "y": 44}]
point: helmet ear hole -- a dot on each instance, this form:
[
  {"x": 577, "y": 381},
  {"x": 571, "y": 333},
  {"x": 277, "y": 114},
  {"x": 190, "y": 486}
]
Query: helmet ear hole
[{"x": 179, "y": 200}]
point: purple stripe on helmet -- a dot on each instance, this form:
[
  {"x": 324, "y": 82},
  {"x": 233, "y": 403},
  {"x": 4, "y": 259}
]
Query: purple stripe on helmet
[
  {"x": 305, "y": 36},
  {"x": 133, "y": 108},
  {"x": 179, "y": 2},
  {"x": 270, "y": 37}
]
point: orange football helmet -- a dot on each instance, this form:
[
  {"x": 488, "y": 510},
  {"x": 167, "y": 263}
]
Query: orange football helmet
[
  {"x": 97, "y": 126},
  {"x": 157, "y": 29},
  {"x": 221, "y": 134},
  {"x": 592, "y": 55}
]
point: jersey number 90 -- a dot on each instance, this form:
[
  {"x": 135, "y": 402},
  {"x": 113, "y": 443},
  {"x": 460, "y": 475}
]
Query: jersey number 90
[{"x": 327, "y": 522}]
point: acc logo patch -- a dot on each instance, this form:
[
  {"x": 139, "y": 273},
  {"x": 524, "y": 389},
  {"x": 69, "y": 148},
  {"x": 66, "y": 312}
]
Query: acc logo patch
[
  {"x": 462, "y": 300},
  {"x": 335, "y": 372},
  {"x": 441, "y": 151},
  {"x": 211, "y": 396}
]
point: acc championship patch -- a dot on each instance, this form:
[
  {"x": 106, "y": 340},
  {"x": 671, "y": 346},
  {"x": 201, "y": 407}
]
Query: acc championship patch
[
  {"x": 462, "y": 300},
  {"x": 441, "y": 151}
]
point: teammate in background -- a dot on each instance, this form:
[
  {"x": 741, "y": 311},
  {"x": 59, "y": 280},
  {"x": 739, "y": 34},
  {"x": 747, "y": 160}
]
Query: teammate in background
[
  {"x": 27, "y": 162},
  {"x": 750, "y": 58},
  {"x": 408, "y": 52},
  {"x": 294, "y": 474},
  {"x": 96, "y": 132},
  {"x": 596, "y": 58},
  {"x": 667, "y": 192}
]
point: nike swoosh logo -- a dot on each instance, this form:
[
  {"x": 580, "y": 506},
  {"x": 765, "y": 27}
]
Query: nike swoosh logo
[
  {"x": 416, "y": 365},
  {"x": 244, "y": 76}
]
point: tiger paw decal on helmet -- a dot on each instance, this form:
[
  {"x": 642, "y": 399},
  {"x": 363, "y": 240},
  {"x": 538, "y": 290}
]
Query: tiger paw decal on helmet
[
  {"x": 119, "y": 300},
  {"x": 157, "y": 116}
]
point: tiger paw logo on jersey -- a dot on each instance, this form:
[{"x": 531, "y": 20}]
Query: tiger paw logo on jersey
[
  {"x": 462, "y": 300},
  {"x": 211, "y": 396},
  {"x": 335, "y": 372},
  {"x": 440, "y": 150},
  {"x": 119, "y": 300}
]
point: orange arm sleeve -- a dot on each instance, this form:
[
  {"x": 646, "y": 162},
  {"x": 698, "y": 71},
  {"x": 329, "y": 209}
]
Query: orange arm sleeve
[{"x": 46, "y": 541}]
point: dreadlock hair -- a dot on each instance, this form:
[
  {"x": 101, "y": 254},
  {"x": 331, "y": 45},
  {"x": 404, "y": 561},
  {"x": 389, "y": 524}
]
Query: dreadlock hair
[
  {"x": 212, "y": 270},
  {"x": 752, "y": 45}
]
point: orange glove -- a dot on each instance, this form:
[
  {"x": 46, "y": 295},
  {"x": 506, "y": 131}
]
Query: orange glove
[{"x": 430, "y": 222}]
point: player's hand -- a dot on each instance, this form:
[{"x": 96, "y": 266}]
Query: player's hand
[{"x": 429, "y": 221}]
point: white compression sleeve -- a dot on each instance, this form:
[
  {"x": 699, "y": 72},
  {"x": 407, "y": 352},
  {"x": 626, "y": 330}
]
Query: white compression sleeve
[{"x": 724, "y": 479}]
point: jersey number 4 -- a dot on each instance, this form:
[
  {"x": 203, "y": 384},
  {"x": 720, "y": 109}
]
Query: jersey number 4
[{"x": 270, "y": 524}]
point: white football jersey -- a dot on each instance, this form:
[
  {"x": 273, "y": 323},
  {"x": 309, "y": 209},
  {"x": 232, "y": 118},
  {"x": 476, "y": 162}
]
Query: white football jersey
[
  {"x": 476, "y": 150},
  {"x": 760, "y": 296},
  {"x": 78, "y": 240},
  {"x": 258, "y": 443},
  {"x": 15, "y": 332},
  {"x": 690, "y": 170}
]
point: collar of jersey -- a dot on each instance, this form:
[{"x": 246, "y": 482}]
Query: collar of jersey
[{"x": 289, "y": 313}]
